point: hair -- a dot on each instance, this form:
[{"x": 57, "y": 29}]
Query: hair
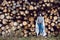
[{"x": 39, "y": 13}]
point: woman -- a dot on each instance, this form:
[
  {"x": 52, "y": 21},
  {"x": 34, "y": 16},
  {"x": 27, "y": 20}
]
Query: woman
[{"x": 40, "y": 27}]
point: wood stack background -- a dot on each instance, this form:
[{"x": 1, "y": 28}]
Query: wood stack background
[{"x": 19, "y": 16}]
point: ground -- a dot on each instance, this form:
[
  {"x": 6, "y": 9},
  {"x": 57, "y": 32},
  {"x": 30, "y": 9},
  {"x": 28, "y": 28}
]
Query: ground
[{"x": 50, "y": 37}]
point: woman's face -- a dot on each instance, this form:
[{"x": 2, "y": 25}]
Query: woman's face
[{"x": 40, "y": 14}]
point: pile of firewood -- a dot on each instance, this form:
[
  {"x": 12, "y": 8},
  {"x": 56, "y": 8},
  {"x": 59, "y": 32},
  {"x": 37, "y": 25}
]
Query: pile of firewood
[{"x": 22, "y": 15}]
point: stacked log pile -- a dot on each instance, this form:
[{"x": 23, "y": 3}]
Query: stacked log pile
[{"x": 16, "y": 15}]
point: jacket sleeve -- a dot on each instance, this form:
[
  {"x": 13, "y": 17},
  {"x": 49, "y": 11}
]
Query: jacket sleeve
[
  {"x": 37, "y": 28},
  {"x": 44, "y": 32}
]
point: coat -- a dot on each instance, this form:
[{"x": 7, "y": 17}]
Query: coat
[{"x": 40, "y": 20}]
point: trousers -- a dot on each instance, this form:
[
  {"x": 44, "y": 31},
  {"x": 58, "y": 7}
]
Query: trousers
[{"x": 41, "y": 28}]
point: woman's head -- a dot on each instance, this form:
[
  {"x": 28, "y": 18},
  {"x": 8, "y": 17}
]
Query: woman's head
[{"x": 40, "y": 15}]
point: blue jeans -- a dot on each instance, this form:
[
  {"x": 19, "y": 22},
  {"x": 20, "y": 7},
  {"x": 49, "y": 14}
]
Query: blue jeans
[{"x": 40, "y": 25}]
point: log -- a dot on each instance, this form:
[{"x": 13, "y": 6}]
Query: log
[
  {"x": 6, "y": 31},
  {"x": 15, "y": 24},
  {"x": 5, "y": 10},
  {"x": 33, "y": 25},
  {"x": 4, "y": 21},
  {"x": 25, "y": 23},
  {"x": 31, "y": 19},
  {"x": 52, "y": 29},
  {"x": 58, "y": 25},
  {"x": 3, "y": 33},
  {"x": 1, "y": 25},
  {"x": 11, "y": 23},
  {"x": 25, "y": 31},
  {"x": 1, "y": 8},
  {"x": 52, "y": 0},
  {"x": 3, "y": 28},
  {"x": 46, "y": 29},
  {"x": 14, "y": 12},
  {"x": 25, "y": 35},
  {"x": 21, "y": 12},
  {"x": 49, "y": 27},
  {"x": 7, "y": 27},
  {"x": 18, "y": 27},
  {"x": 2, "y": 16},
  {"x": 25, "y": 18},
  {"x": 31, "y": 7},
  {"x": 54, "y": 21},
  {"x": 4, "y": 2},
  {"x": 21, "y": 25},
  {"x": 51, "y": 17},
  {"x": 29, "y": 25},
  {"x": 45, "y": 0},
  {"x": 48, "y": 5},
  {"x": 29, "y": 33},
  {"x": 9, "y": 30},
  {"x": 35, "y": 15},
  {"x": 8, "y": 17},
  {"x": 25, "y": 27},
  {"x": 34, "y": 3},
  {"x": 48, "y": 32},
  {"x": 0, "y": 30},
  {"x": 52, "y": 24},
  {"x": 26, "y": 12},
  {"x": 24, "y": 8},
  {"x": 18, "y": 21},
  {"x": 32, "y": 29},
  {"x": 22, "y": 34},
  {"x": 9, "y": 2},
  {"x": 47, "y": 20},
  {"x": 33, "y": 33},
  {"x": 13, "y": 28},
  {"x": 20, "y": 8},
  {"x": 43, "y": 5},
  {"x": 45, "y": 16},
  {"x": 55, "y": 17}
]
